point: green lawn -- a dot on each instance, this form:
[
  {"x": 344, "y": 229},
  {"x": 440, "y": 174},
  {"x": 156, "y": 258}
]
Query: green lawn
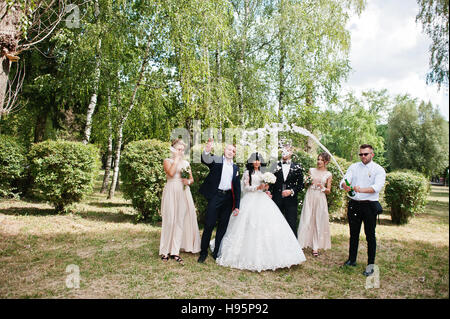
[{"x": 118, "y": 258}]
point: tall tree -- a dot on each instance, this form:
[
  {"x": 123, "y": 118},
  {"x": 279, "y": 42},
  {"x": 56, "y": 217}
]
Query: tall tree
[
  {"x": 417, "y": 137},
  {"x": 353, "y": 123}
]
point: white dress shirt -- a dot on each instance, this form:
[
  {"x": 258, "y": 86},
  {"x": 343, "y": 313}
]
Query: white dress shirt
[
  {"x": 227, "y": 175},
  {"x": 370, "y": 175},
  {"x": 286, "y": 169}
]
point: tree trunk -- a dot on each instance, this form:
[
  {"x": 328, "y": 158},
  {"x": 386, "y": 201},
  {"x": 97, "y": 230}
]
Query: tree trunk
[
  {"x": 41, "y": 123},
  {"x": 124, "y": 119},
  {"x": 112, "y": 189},
  {"x": 311, "y": 146},
  {"x": 93, "y": 102},
  {"x": 110, "y": 150},
  {"x": 9, "y": 29},
  {"x": 242, "y": 59},
  {"x": 282, "y": 64},
  {"x": 4, "y": 75}
]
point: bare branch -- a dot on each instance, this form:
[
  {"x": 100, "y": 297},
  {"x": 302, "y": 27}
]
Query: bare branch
[{"x": 10, "y": 104}]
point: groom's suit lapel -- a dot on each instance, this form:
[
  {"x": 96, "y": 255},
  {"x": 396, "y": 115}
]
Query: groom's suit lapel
[
  {"x": 280, "y": 171},
  {"x": 290, "y": 171}
]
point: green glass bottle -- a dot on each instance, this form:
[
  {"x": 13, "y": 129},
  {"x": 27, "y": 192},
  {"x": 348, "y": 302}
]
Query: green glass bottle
[{"x": 351, "y": 192}]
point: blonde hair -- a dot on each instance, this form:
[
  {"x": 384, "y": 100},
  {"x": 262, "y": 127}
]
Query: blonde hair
[{"x": 178, "y": 141}]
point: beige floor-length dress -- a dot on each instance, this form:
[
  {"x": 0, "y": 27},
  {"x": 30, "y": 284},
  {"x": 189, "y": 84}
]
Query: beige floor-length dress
[
  {"x": 180, "y": 230},
  {"x": 314, "y": 226}
]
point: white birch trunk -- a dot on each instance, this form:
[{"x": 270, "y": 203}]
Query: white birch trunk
[
  {"x": 110, "y": 150},
  {"x": 93, "y": 101},
  {"x": 112, "y": 189}
]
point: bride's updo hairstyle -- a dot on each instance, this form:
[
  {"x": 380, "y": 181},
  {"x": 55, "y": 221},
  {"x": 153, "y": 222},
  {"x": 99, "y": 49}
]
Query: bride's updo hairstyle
[
  {"x": 325, "y": 157},
  {"x": 249, "y": 166}
]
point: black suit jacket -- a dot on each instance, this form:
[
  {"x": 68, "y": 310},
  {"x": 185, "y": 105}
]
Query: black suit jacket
[
  {"x": 210, "y": 186},
  {"x": 294, "y": 181}
]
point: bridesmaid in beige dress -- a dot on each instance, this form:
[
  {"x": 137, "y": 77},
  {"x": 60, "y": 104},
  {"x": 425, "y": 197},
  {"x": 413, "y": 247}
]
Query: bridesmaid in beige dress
[
  {"x": 314, "y": 227},
  {"x": 179, "y": 219}
]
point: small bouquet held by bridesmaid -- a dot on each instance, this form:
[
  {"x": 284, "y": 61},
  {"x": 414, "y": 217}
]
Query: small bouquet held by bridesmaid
[
  {"x": 307, "y": 180},
  {"x": 269, "y": 178},
  {"x": 185, "y": 173}
]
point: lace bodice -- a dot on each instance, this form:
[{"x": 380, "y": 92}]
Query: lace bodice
[
  {"x": 257, "y": 179},
  {"x": 181, "y": 165},
  {"x": 319, "y": 177}
]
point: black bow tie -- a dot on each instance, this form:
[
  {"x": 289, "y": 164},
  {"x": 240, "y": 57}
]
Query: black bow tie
[{"x": 286, "y": 162}]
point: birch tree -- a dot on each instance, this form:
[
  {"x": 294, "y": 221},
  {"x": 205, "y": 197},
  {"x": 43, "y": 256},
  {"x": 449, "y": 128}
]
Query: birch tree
[{"x": 124, "y": 118}]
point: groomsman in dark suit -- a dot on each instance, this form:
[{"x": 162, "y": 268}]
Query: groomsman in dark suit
[
  {"x": 222, "y": 189},
  {"x": 287, "y": 186}
]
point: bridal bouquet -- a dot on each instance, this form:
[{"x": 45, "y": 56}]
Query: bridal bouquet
[
  {"x": 269, "y": 178},
  {"x": 185, "y": 173}
]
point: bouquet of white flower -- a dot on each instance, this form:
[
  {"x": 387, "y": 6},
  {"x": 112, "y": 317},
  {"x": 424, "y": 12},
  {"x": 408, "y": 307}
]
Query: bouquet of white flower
[
  {"x": 269, "y": 178},
  {"x": 185, "y": 173}
]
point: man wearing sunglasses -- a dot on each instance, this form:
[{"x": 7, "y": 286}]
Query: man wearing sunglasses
[{"x": 367, "y": 179}]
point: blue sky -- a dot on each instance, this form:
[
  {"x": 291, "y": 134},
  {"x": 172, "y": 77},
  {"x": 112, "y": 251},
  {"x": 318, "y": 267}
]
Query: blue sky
[{"x": 389, "y": 50}]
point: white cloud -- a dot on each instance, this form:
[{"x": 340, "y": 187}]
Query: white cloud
[{"x": 389, "y": 50}]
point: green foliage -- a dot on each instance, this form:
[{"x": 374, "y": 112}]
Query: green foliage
[
  {"x": 417, "y": 137},
  {"x": 406, "y": 194},
  {"x": 354, "y": 124},
  {"x": 143, "y": 177},
  {"x": 13, "y": 164},
  {"x": 63, "y": 171},
  {"x": 434, "y": 17},
  {"x": 337, "y": 199}
]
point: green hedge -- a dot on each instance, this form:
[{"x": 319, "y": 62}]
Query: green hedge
[
  {"x": 143, "y": 177},
  {"x": 13, "y": 163},
  {"x": 406, "y": 194},
  {"x": 63, "y": 171},
  {"x": 337, "y": 199}
]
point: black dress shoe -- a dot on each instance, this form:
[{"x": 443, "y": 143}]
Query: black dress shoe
[
  {"x": 350, "y": 263},
  {"x": 201, "y": 259}
]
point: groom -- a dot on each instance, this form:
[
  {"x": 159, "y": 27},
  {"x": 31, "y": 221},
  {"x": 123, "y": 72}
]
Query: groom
[
  {"x": 222, "y": 189},
  {"x": 287, "y": 186}
]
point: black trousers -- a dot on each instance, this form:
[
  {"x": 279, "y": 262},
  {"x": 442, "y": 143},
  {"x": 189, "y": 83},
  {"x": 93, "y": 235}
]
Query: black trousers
[
  {"x": 357, "y": 213},
  {"x": 288, "y": 207},
  {"x": 218, "y": 209}
]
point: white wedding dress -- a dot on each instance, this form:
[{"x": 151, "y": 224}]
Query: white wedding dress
[{"x": 259, "y": 237}]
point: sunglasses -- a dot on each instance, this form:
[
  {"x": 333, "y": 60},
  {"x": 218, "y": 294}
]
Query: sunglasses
[{"x": 363, "y": 154}]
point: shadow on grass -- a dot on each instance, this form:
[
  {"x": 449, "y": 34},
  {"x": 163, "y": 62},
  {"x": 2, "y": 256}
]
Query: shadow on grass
[
  {"x": 108, "y": 217},
  {"x": 28, "y": 211},
  {"x": 439, "y": 194},
  {"x": 107, "y": 204}
]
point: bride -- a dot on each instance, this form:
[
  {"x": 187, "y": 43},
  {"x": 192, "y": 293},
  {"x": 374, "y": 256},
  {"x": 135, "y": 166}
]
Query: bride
[{"x": 258, "y": 237}]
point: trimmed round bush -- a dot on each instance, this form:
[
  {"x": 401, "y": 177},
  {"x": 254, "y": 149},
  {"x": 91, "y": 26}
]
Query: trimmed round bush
[
  {"x": 13, "y": 163},
  {"x": 63, "y": 171},
  {"x": 337, "y": 199},
  {"x": 143, "y": 177},
  {"x": 406, "y": 194}
]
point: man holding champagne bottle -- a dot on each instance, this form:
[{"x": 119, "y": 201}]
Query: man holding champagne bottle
[{"x": 363, "y": 181}]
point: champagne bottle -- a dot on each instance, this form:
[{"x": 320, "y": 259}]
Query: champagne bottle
[{"x": 351, "y": 192}]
